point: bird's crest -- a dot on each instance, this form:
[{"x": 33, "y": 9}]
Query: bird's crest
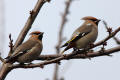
[
  {"x": 89, "y": 18},
  {"x": 35, "y": 32}
]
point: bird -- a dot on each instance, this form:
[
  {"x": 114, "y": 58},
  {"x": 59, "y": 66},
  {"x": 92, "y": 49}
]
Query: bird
[
  {"x": 84, "y": 35},
  {"x": 29, "y": 50}
]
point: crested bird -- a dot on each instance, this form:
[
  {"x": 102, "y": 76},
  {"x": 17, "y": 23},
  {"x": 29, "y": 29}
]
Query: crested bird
[
  {"x": 84, "y": 35},
  {"x": 29, "y": 50}
]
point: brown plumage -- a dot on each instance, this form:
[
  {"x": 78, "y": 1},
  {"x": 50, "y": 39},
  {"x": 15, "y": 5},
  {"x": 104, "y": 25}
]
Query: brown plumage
[
  {"x": 84, "y": 35},
  {"x": 30, "y": 49}
]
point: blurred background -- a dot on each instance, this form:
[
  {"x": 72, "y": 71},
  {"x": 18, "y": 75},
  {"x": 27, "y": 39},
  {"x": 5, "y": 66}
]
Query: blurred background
[{"x": 13, "y": 15}]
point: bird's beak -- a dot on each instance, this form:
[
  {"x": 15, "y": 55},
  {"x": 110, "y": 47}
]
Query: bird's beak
[
  {"x": 42, "y": 33},
  {"x": 98, "y": 20}
]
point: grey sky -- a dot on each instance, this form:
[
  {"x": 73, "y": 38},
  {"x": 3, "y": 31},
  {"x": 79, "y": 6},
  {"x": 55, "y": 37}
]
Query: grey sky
[
  {"x": 48, "y": 21},
  {"x": 2, "y": 28}
]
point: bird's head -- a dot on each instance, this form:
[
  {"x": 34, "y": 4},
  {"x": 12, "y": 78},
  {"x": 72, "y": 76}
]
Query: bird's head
[
  {"x": 95, "y": 20},
  {"x": 37, "y": 35}
]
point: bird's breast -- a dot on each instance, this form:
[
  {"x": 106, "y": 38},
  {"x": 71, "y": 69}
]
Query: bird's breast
[{"x": 86, "y": 40}]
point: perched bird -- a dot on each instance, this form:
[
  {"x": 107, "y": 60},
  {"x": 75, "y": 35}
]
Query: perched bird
[
  {"x": 29, "y": 50},
  {"x": 83, "y": 36}
]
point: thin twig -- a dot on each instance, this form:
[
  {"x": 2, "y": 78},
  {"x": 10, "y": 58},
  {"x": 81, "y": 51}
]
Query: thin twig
[
  {"x": 1, "y": 58},
  {"x": 116, "y": 40},
  {"x": 60, "y": 37},
  {"x": 10, "y": 45},
  {"x": 108, "y": 29},
  {"x": 112, "y": 34},
  {"x": 64, "y": 20}
]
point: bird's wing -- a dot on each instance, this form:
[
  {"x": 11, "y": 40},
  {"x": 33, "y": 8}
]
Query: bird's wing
[
  {"x": 79, "y": 33},
  {"x": 23, "y": 48},
  {"x": 75, "y": 38},
  {"x": 78, "y": 36}
]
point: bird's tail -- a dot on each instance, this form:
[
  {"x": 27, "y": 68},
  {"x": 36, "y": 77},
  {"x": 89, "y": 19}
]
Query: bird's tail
[
  {"x": 7, "y": 57},
  {"x": 62, "y": 52},
  {"x": 65, "y": 49},
  {"x": 64, "y": 45}
]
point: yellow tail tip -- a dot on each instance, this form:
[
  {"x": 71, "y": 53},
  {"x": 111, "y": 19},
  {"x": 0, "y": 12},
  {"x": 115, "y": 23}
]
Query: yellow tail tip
[{"x": 62, "y": 52}]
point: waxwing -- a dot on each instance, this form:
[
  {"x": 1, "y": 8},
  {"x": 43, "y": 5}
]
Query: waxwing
[
  {"x": 30, "y": 49},
  {"x": 84, "y": 35}
]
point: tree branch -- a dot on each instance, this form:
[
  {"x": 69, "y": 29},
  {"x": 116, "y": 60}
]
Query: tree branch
[
  {"x": 115, "y": 38},
  {"x": 1, "y": 59},
  {"x": 64, "y": 20},
  {"x": 60, "y": 37},
  {"x": 112, "y": 34},
  {"x": 81, "y": 56},
  {"x": 10, "y": 45},
  {"x": 56, "y": 58}
]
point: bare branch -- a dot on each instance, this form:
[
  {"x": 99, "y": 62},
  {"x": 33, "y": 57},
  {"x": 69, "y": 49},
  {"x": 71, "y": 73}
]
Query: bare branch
[
  {"x": 109, "y": 29},
  {"x": 10, "y": 45},
  {"x": 1, "y": 58},
  {"x": 116, "y": 40},
  {"x": 4, "y": 70},
  {"x": 112, "y": 34},
  {"x": 60, "y": 37},
  {"x": 56, "y": 58},
  {"x": 64, "y": 20},
  {"x": 81, "y": 56}
]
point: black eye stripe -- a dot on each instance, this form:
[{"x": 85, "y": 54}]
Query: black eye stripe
[
  {"x": 93, "y": 20},
  {"x": 40, "y": 37}
]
